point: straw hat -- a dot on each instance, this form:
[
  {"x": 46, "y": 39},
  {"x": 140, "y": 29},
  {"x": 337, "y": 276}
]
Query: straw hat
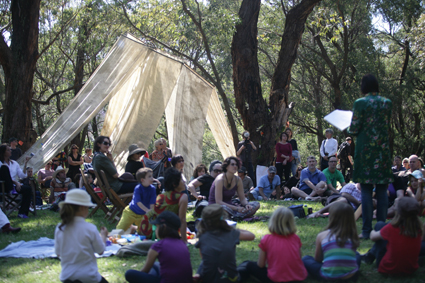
[
  {"x": 77, "y": 197},
  {"x": 133, "y": 149},
  {"x": 59, "y": 169}
]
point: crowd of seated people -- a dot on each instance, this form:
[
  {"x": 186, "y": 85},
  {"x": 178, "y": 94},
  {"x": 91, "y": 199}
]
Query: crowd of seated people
[{"x": 231, "y": 193}]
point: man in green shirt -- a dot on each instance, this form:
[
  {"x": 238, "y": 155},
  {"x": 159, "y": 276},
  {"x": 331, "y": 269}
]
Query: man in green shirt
[{"x": 333, "y": 175}]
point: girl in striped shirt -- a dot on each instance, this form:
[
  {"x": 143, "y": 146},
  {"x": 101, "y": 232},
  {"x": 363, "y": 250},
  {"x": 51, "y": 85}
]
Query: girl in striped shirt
[{"x": 336, "y": 257}]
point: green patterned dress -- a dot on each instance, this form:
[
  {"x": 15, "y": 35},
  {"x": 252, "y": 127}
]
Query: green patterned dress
[{"x": 370, "y": 123}]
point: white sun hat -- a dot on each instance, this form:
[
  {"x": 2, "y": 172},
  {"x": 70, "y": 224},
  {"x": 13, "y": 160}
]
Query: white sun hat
[{"x": 77, "y": 197}]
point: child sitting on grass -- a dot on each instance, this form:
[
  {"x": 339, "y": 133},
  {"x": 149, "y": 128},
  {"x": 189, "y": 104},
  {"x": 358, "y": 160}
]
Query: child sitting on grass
[
  {"x": 281, "y": 250},
  {"x": 336, "y": 257},
  {"x": 217, "y": 244},
  {"x": 76, "y": 240},
  {"x": 144, "y": 197},
  {"x": 172, "y": 253},
  {"x": 173, "y": 199},
  {"x": 397, "y": 244}
]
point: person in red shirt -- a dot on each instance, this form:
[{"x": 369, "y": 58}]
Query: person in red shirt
[
  {"x": 283, "y": 156},
  {"x": 397, "y": 244},
  {"x": 281, "y": 250}
]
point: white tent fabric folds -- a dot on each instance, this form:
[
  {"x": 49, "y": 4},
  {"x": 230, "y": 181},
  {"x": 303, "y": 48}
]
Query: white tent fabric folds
[{"x": 141, "y": 84}]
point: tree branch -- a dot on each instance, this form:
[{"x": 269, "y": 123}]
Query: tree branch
[
  {"x": 46, "y": 102},
  {"x": 59, "y": 33}
]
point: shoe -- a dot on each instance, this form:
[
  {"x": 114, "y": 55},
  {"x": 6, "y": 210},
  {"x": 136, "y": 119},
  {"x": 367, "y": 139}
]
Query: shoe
[
  {"x": 23, "y": 216},
  {"x": 368, "y": 258},
  {"x": 9, "y": 229}
]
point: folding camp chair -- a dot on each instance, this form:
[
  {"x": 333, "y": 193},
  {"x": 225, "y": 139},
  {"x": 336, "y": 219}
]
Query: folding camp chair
[
  {"x": 119, "y": 202},
  {"x": 100, "y": 201},
  {"x": 11, "y": 202}
]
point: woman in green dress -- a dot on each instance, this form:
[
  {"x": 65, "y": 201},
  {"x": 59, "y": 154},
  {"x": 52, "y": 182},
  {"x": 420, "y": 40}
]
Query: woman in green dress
[{"x": 372, "y": 157}]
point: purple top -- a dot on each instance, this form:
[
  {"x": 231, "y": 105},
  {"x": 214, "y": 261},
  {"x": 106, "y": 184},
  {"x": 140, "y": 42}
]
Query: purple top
[
  {"x": 174, "y": 260},
  {"x": 227, "y": 194}
]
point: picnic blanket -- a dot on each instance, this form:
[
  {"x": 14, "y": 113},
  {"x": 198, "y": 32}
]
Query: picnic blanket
[{"x": 42, "y": 248}]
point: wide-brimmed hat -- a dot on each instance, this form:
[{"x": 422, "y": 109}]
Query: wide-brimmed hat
[
  {"x": 133, "y": 149},
  {"x": 168, "y": 218},
  {"x": 77, "y": 197},
  {"x": 59, "y": 169}
]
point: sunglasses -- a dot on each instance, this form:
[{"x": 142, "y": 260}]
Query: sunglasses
[
  {"x": 49, "y": 164},
  {"x": 107, "y": 143},
  {"x": 218, "y": 171},
  {"x": 75, "y": 148},
  {"x": 234, "y": 164},
  {"x": 181, "y": 160}
]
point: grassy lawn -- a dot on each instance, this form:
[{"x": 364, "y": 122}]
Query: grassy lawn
[{"x": 113, "y": 268}]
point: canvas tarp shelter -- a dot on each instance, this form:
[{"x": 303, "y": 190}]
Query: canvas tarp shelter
[{"x": 140, "y": 84}]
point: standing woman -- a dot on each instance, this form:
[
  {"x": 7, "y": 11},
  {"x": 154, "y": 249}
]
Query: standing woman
[
  {"x": 75, "y": 160},
  {"x": 296, "y": 159},
  {"x": 372, "y": 157},
  {"x": 283, "y": 156}
]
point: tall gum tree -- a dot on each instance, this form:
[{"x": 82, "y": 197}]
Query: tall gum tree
[
  {"x": 19, "y": 64},
  {"x": 263, "y": 121}
]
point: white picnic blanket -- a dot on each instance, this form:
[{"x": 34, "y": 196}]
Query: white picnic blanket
[{"x": 42, "y": 248}]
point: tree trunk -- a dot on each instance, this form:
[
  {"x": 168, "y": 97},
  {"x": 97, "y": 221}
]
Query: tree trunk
[
  {"x": 80, "y": 138},
  {"x": 246, "y": 76},
  {"x": 19, "y": 71},
  {"x": 264, "y": 123}
]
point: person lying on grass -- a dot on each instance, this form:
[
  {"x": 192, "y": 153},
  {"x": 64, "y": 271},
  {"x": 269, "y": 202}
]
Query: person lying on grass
[
  {"x": 350, "y": 193},
  {"x": 281, "y": 250}
]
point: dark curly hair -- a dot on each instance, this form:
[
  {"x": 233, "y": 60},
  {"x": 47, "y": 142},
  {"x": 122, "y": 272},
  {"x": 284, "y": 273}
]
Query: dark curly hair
[
  {"x": 199, "y": 168},
  {"x": 172, "y": 179},
  {"x": 176, "y": 159},
  {"x": 227, "y": 161}
]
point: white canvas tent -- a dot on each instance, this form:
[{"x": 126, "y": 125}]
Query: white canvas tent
[{"x": 141, "y": 84}]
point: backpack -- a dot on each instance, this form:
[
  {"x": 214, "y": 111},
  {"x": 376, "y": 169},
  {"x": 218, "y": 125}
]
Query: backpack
[
  {"x": 199, "y": 206},
  {"x": 342, "y": 151}
]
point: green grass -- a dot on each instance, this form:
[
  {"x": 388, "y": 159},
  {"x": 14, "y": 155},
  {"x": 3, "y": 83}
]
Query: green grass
[{"x": 113, "y": 268}]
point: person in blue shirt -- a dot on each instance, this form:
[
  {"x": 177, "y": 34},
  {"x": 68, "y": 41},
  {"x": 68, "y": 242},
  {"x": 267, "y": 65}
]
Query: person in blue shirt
[
  {"x": 312, "y": 182},
  {"x": 267, "y": 184},
  {"x": 144, "y": 198}
]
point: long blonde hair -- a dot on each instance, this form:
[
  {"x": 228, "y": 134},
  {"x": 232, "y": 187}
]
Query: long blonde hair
[
  {"x": 342, "y": 225},
  {"x": 282, "y": 222}
]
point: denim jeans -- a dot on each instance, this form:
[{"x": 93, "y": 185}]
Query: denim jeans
[
  {"x": 294, "y": 167},
  {"x": 257, "y": 195},
  {"x": 134, "y": 276},
  {"x": 367, "y": 206},
  {"x": 379, "y": 248},
  {"x": 313, "y": 267}
]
